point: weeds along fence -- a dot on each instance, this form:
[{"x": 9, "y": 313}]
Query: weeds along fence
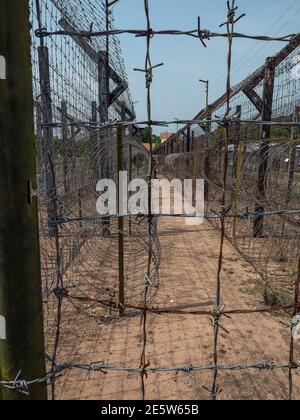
[
  {"x": 263, "y": 169},
  {"x": 108, "y": 267}
]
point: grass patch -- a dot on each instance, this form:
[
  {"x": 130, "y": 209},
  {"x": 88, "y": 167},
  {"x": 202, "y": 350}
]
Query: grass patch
[{"x": 276, "y": 297}]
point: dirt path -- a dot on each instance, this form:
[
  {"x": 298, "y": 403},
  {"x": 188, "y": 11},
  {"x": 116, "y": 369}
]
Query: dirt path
[{"x": 188, "y": 276}]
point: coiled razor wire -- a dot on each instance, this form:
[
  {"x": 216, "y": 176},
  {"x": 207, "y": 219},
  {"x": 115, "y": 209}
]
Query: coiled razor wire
[{"x": 74, "y": 246}]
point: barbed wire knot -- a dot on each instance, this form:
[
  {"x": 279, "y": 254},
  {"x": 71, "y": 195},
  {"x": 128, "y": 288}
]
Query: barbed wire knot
[
  {"x": 61, "y": 293},
  {"x": 218, "y": 312},
  {"x": 41, "y": 32},
  {"x": 97, "y": 367},
  {"x": 232, "y": 9},
  {"x": 148, "y": 281},
  {"x": 143, "y": 368},
  {"x": 203, "y": 34},
  {"x": 294, "y": 366},
  {"x": 267, "y": 365},
  {"x": 63, "y": 367},
  {"x": 187, "y": 369},
  {"x": 18, "y": 385},
  {"x": 149, "y": 78},
  {"x": 224, "y": 210},
  {"x": 149, "y": 33}
]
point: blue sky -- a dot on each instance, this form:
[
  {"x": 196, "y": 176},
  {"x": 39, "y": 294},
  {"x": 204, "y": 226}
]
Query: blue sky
[{"x": 176, "y": 90}]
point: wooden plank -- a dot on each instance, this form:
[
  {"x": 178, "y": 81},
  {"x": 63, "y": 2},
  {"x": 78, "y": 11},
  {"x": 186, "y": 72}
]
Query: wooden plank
[
  {"x": 100, "y": 59},
  {"x": 254, "y": 98},
  {"x": 103, "y": 93}
]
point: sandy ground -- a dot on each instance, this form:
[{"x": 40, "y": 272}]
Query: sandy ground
[{"x": 188, "y": 277}]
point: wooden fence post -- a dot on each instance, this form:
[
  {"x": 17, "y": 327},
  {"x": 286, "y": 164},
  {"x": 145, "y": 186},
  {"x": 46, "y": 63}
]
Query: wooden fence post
[
  {"x": 64, "y": 119},
  {"x": 22, "y": 345},
  {"x": 258, "y": 223},
  {"x": 120, "y": 135}
]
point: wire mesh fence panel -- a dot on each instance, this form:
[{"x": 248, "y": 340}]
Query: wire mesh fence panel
[{"x": 107, "y": 268}]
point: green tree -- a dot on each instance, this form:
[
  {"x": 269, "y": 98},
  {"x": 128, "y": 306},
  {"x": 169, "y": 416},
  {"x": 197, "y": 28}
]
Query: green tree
[{"x": 145, "y": 137}]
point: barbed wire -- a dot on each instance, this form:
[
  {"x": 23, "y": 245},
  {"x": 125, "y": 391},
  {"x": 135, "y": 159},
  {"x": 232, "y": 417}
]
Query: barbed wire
[
  {"x": 233, "y": 159},
  {"x": 22, "y": 386},
  {"x": 73, "y": 245},
  {"x": 116, "y": 124},
  {"x": 202, "y": 34},
  {"x": 176, "y": 310},
  {"x": 246, "y": 215}
]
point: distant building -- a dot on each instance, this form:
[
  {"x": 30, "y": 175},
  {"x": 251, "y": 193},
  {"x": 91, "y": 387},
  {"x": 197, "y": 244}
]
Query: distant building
[{"x": 165, "y": 135}]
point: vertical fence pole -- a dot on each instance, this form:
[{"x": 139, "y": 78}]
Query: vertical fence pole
[
  {"x": 22, "y": 346},
  {"x": 120, "y": 168},
  {"x": 292, "y": 158},
  {"x": 193, "y": 141},
  {"x": 130, "y": 175},
  {"x": 74, "y": 149},
  {"x": 292, "y": 350},
  {"x": 237, "y": 166},
  {"x": 194, "y": 165},
  {"x": 103, "y": 78},
  {"x": 80, "y": 207},
  {"x": 94, "y": 115},
  {"x": 188, "y": 139},
  {"x": 64, "y": 119},
  {"x": 103, "y": 82},
  {"x": 94, "y": 143},
  {"x": 39, "y": 133},
  {"x": 207, "y": 158},
  {"x": 258, "y": 223},
  {"x": 47, "y": 118},
  {"x": 291, "y": 172},
  {"x": 237, "y": 140}
]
